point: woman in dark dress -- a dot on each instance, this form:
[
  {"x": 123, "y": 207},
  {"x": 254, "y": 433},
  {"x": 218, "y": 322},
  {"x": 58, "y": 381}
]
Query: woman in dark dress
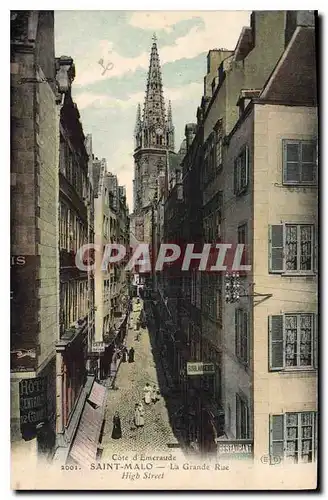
[
  {"x": 117, "y": 431},
  {"x": 131, "y": 355}
]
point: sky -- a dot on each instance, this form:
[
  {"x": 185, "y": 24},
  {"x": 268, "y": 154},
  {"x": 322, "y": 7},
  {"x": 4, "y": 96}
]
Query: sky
[{"x": 111, "y": 51}]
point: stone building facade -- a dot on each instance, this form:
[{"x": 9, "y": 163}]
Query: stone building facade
[
  {"x": 34, "y": 233},
  {"x": 253, "y": 160},
  {"x": 76, "y": 294},
  {"x": 232, "y": 174}
]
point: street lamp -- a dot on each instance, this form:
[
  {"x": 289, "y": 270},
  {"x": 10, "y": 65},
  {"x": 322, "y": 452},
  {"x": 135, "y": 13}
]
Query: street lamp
[
  {"x": 233, "y": 290},
  {"x": 232, "y": 287}
]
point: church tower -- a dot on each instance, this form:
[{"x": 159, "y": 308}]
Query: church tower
[{"x": 154, "y": 137}]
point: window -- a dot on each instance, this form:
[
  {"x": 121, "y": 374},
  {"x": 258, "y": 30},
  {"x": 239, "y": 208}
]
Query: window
[
  {"x": 193, "y": 287},
  {"x": 242, "y": 420},
  {"x": 241, "y": 173},
  {"x": 242, "y": 239},
  {"x": 291, "y": 248},
  {"x": 219, "y": 158},
  {"x": 292, "y": 341},
  {"x": 62, "y": 157},
  {"x": 299, "y": 162},
  {"x": 218, "y": 220},
  {"x": 219, "y": 301},
  {"x": 198, "y": 289},
  {"x": 294, "y": 436},
  {"x": 241, "y": 335}
]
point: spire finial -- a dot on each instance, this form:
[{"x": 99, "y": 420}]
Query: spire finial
[{"x": 154, "y": 38}]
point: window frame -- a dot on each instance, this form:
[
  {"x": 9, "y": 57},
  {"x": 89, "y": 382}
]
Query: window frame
[
  {"x": 219, "y": 149},
  {"x": 291, "y": 272},
  {"x": 298, "y": 439},
  {"x": 240, "y": 337},
  {"x": 299, "y": 142},
  {"x": 314, "y": 342},
  {"x": 243, "y": 226},
  {"x": 238, "y": 167},
  {"x": 241, "y": 400}
]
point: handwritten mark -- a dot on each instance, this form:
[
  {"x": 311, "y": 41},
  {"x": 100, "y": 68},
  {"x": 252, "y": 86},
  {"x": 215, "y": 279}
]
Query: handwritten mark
[{"x": 109, "y": 66}]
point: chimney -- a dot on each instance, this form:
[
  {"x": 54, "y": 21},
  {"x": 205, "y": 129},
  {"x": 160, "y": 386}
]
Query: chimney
[
  {"x": 190, "y": 132},
  {"x": 214, "y": 59}
]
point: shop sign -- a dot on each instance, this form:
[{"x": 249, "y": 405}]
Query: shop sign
[
  {"x": 200, "y": 368},
  {"x": 98, "y": 347},
  {"x": 235, "y": 449},
  {"x": 33, "y": 404}
]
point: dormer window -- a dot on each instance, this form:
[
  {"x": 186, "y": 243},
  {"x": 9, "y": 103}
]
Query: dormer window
[{"x": 213, "y": 86}]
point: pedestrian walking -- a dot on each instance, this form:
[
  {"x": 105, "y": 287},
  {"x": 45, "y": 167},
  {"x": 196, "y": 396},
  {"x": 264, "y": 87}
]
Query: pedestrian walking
[
  {"x": 147, "y": 394},
  {"x": 117, "y": 431},
  {"x": 125, "y": 355},
  {"x": 139, "y": 415},
  {"x": 131, "y": 355},
  {"x": 155, "y": 394}
]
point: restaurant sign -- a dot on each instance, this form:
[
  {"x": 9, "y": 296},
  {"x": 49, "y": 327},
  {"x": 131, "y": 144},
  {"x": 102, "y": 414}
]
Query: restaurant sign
[
  {"x": 200, "y": 368},
  {"x": 33, "y": 405},
  {"x": 242, "y": 448}
]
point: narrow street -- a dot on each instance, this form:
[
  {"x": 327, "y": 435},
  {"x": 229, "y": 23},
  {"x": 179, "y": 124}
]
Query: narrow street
[{"x": 157, "y": 434}]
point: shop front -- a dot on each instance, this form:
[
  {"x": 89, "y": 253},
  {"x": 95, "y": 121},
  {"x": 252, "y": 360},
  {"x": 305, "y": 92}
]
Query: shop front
[{"x": 200, "y": 401}]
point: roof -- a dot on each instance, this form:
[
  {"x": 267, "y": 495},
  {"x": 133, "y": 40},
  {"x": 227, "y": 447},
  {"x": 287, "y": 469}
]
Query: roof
[{"x": 293, "y": 80}]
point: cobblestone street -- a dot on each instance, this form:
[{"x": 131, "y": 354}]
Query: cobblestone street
[{"x": 157, "y": 434}]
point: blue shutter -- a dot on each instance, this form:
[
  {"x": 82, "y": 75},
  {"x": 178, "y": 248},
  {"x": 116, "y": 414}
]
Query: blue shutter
[
  {"x": 276, "y": 435},
  {"x": 276, "y": 342},
  {"x": 276, "y": 248}
]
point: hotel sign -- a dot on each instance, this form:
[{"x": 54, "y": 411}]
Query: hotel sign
[
  {"x": 200, "y": 368},
  {"x": 33, "y": 404}
]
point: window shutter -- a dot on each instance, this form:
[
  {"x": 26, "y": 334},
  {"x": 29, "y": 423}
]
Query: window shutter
[
  {"x": 315, "y": 340},
  {"x": 315, "y": 248},
  {"x": 291, "y": 162},
  {"x": 235, "y": 177},
  {"x": 247, "y": 330},
  {"x": 246, "y": 165},
  {"x": 236, "y": 332},
  {"x": 276, "y": 342},
  {"x": 276, "y": 435},
  {"x": 276, "y": 248}
]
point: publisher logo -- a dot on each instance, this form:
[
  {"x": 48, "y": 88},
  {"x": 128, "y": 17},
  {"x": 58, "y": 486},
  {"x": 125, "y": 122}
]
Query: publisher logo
[{"x": 270, "y": 460}]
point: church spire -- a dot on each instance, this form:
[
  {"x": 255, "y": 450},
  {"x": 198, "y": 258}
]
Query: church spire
[
  {"x": 138, "y": 128},
  {"x": 154, "y": 108},
  {"x": 170, "y": 128},
  {"x": 154, "y": 129},
  {"x": 138, "y": 120},
  {"x": 169, "y": 115}
]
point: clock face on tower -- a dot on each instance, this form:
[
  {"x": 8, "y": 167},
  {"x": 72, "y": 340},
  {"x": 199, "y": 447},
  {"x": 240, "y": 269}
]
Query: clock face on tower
[{"x": 159, "y": 131}]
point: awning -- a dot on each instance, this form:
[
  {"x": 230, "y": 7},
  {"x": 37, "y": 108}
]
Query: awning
[
  {"x": 98, "y": 394},
  {"x": 86, "y": 441}
]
